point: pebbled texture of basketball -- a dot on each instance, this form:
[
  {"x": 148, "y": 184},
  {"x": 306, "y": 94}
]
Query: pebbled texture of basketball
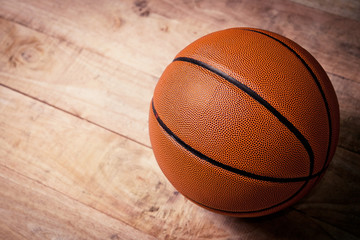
[{"x": 244, "y": 122}]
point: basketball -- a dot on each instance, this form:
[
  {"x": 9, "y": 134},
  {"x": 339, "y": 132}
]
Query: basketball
[{"x": 244, "y": 122}]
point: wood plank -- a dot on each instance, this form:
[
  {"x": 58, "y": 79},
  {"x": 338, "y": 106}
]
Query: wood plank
[
  {"x": 102, "y": 170},
  {"x": 149, "y": 41},
  {"x": 349, "y": 100},
  {"x": 111, "y": 30},
  {"x": 31, "y": 210},
  {"x": 345, "y": 8}
]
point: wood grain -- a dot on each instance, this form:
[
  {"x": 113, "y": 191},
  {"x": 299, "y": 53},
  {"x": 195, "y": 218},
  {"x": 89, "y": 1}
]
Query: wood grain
[
  {"x": 35, "y": 211},
  {"x": 347, "y": 8},
  {"x": 76, "y": 79},
  {"x": 349, "y": 101}
]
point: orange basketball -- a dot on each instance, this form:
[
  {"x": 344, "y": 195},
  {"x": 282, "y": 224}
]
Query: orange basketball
[{"x": 244, "y": 122}]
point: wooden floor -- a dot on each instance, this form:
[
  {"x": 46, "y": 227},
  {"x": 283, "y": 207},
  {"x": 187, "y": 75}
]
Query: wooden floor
[{"x": 76, "y": 79}]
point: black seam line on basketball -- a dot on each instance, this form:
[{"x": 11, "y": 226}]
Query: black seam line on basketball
[
  {"x": 259, "y": 99},
  {"x": 317, "y": 82},
  {"x": 222, "y": 165},
  {"x": 253, "y": 211}
]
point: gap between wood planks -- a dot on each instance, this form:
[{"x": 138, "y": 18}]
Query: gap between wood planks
[
  {"x": 74, "y": 115},
  {"x": 341, "y": 77}
]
